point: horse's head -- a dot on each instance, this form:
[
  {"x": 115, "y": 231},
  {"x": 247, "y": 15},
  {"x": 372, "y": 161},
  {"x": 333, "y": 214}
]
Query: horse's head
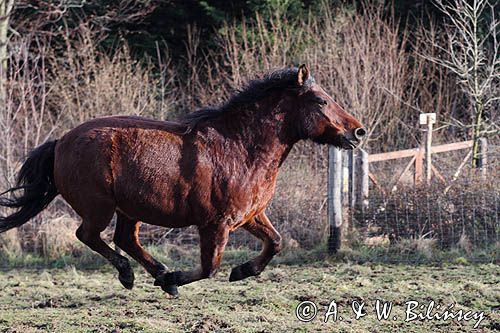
[{"x": 320, "y": 118}]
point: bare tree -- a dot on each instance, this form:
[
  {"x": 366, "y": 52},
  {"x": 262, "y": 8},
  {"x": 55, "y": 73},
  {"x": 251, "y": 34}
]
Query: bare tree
[
  {"x": 472, "y": 54},
  {"x": 5, "y": 10}
]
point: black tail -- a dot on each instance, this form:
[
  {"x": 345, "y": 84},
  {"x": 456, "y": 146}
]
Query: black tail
[{"x": 36, "y": 180}]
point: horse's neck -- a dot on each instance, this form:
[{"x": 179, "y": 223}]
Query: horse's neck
[{"x": 263, "y": 136}]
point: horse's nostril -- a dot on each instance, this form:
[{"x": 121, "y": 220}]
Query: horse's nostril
[{"x": 359, "y": 133}]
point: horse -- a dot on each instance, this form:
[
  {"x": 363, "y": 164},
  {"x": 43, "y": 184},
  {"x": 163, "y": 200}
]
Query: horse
[{"x": 214, "y": 168}]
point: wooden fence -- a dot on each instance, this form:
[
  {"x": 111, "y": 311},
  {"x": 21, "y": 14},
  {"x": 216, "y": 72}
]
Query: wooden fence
[{"x": 349, "y": 177}]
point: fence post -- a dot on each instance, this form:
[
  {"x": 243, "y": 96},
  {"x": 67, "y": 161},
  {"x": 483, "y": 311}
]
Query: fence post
[
  {"x": 482, "y": 162},
  {"x": 428, "y": 152},
  {"x": 419, "y": 166},
  {"x": 427, "y": 119},
  {"x": 345, "y": 178},
  {"x": 363, "y": 180},
  {"x": 351, "y": 161},
  {"x": 334, "y": 198}
]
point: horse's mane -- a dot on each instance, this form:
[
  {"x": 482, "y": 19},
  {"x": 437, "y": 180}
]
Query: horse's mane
[{"x": 253, "y": 91}]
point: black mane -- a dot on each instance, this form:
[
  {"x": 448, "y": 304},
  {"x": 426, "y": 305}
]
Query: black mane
[{"x": 253, "y": 91}]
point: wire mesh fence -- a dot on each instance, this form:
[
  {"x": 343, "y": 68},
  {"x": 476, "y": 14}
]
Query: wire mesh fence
[
  {"x": 459, "y": 207},
  {"x": 467, "y": 214}
]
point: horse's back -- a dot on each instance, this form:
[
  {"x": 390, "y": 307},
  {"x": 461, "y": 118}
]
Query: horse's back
[
  {"x": 112, "y": 158},
  {"x": 127, "y": 122}
]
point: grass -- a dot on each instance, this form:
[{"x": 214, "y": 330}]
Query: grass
[
  {"x": 78, "y": 295},
  {"x": 183, "y": 257}
]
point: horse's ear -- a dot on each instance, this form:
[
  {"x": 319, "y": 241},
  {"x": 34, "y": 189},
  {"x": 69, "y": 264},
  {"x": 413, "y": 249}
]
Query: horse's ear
[{"x": 303, "y": 74}]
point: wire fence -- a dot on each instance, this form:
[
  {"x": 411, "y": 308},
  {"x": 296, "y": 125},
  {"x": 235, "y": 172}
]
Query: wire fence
[
  {"x": 455, "y": 209},
  {"x": 467, "y": 214}
]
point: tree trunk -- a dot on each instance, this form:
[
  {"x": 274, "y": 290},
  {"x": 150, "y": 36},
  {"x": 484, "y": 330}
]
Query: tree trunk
[
  {"x": 5, "y": 10},
  {"x": 476, "y": 135}
]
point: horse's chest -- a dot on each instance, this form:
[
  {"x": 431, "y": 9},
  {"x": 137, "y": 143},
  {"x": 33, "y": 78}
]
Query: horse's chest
[{"x": 246, "y": 196}]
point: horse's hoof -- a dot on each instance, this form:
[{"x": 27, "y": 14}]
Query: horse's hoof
[
  {"x": 166, "y": 278},
  {"x": 171, "y": 290},
  {"x": 167, "y": 282},
  {"x": 242, "y": 271},
  {"x": 127, "y": 279}
]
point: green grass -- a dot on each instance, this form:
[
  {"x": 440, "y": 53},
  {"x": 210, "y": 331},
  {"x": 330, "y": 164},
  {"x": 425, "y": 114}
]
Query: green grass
[{"x": 81, "y": 295}]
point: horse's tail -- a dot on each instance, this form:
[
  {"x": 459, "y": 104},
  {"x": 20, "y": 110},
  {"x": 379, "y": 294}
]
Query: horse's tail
[{"x": 36, "y": 180}]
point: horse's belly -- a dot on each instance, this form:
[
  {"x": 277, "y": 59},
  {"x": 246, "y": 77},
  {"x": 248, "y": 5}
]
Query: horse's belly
[
  {"x": 164, "y": 205},
  {"x": 180, "y": 205},
  {"x": 159, "y": 217}
]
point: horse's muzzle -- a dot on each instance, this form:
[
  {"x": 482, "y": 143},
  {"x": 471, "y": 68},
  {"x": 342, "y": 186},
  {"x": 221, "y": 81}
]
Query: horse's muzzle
[{"x": 352, "y": 138}]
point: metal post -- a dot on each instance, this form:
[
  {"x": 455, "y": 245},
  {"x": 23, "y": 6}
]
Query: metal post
[{"x": 334, "y": 198}]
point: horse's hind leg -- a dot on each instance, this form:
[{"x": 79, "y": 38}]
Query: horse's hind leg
[
  {"x": 213, "y": 240},
  {"x": 90, "y": 234},
  {"x": 127, "y": 238},
  {"x": 261, "y": 228}
]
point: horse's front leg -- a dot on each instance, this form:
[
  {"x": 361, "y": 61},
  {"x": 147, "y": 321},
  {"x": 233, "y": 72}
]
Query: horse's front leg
[
  {"x": 213, "y": 240},
  {"x": 260, "y": 227}
]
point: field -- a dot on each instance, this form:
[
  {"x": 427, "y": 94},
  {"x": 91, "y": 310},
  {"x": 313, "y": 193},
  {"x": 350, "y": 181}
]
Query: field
[{"x": 79, "y": 299}]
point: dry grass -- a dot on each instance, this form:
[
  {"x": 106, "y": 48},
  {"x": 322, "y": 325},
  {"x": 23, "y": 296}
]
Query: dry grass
[
  {"x": 10, "y": 244},
  {"x": 57, "y": 235}
]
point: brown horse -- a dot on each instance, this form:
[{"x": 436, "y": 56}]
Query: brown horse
[{"x": 215, "y": 169}]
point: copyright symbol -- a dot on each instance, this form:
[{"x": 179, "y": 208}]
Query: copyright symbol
[{"x": 306, "y": 311}]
